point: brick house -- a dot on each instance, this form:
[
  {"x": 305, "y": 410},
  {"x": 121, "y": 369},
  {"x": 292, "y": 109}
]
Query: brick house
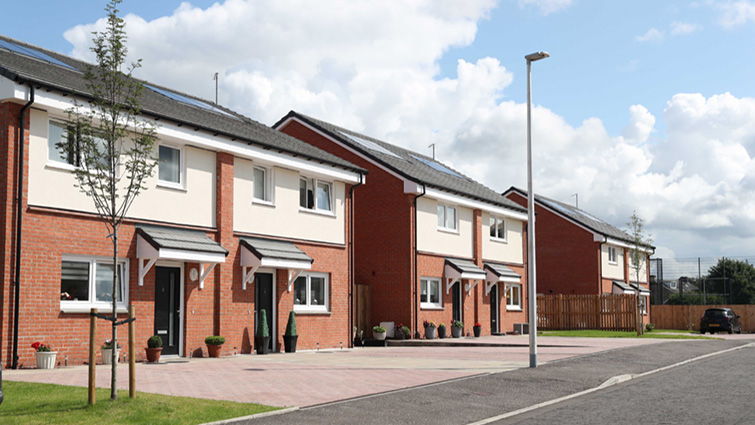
[
  {"x": 237, "y": 217},
  {"x": 578, "y": 253},
  {"x": 430, "y": 243}
]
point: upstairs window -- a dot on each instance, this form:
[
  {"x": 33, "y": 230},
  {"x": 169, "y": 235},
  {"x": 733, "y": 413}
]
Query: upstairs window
[
  {"x": 447, "y": 218},
  {"x": 315, "y": 194},
  {"x": 58, "y": 132},
  {"x": 75, "y": 143},
  {"x": 497, "y": 228},
  {"x": 170, "y": 166},
  {"x": 263, "y": 187},
  {"x": 612, "y": 255}
]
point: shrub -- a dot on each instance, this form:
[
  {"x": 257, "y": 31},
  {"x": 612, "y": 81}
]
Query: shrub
[
  {"x": 262, "y": 329},
  {"x": 442, "y": 325},
  {"x": 291, "y": 325},
  {"x": 155, "y": 341},
  {"x": 457, "y": 324},
  {"x": 649, "y": 327},
  {"x": 378, "y": 329},
  {"x": 430, "y": 324},
  {"x": 407, "y": 332},
  {"x": 214, "y": 340}
]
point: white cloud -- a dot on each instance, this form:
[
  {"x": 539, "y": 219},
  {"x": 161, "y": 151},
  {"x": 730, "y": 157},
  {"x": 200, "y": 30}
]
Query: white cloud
[
  {"x": 735, "y": 13},
  {"x": 653, "y": 34},
  {"x": 681, "y": 28},
  {"x": 546, "y": 7}
]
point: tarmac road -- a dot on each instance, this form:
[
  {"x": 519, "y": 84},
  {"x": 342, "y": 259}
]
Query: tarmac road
[{"x": 477, "y": 398}]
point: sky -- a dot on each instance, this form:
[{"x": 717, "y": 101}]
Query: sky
[{"x": 643, "y": 105}]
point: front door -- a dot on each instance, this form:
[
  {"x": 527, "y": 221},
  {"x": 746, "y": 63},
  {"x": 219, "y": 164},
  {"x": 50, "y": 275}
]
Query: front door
[
  {"x": 494, "y": 309},
  {"x": 456, "y": 297},
  {"x": 263, "y": 299},
  {"x": 168, "y": 307}
]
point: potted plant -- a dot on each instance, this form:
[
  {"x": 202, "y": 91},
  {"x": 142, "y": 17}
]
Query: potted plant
[
  {"x": 456, "y": 328},
  {"x": 290, "y": 336},
  {"x": 477, "y": 328},
  {"x": 378, "y": 332},
  {"x": 398, "y": 332},
  {"x": 214, "y": 345},
  {"x": 441, "y": 330},
  {"x": 107, "y": 352},
  {"x": 407, "y": 332},
  {"x": 262, "y": 334},
  {"x": 154, "y": 348},
  {"x": 429, "y": 329},
  {"x": 45, "y": 355}
]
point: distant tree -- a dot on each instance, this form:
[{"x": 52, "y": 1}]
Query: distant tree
[
  {"x": 694, "y": 299},
  {"x": 111, "y": 148},
  {"x": 638, "y": 255},
  {"x": 738, "y": 276}
]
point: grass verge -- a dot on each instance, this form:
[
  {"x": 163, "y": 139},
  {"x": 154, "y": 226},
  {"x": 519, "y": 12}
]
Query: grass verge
[
  {"x": 31, "y": 403},
  {"x": 619, "y": 334}
]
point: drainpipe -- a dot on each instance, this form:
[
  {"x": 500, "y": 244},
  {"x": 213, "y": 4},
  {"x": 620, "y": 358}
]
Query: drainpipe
[
  {"x": 351, "y": 260},
  {"x": 19, "y": 213},
  {"x": 416, "y": 267}
]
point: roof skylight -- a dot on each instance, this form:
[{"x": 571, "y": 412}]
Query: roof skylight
[
  {"x": 13, "y": 47},
  {"x": 188, "y": 100},
  {"x": 369, "y": 144},
  {"x": 437, "y": 166}
]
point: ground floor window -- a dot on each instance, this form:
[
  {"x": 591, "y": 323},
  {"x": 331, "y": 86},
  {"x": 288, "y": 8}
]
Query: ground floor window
[
  {"x": 514, "y": 297},
  {"x": 311, "y": 292},
  {"x": 430, "y": 295},
  {"x": 88, "y": 282},
  {"x": 644, "y": 305}
]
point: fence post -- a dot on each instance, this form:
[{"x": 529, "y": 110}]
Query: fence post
[
  {"x": 131, "y": 354},
  {"x": 92, "y": 354}
]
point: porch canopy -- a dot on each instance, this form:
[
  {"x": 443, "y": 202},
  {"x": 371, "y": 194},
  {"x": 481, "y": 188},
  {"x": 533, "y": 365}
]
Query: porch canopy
[
  {"x": 164, "y": 243},
  {"x": 456, "y": 270},
  {"x": 499, "y": 273},
  {"x": 620, "y": 287},
  {"x": 258, "y": 252}
]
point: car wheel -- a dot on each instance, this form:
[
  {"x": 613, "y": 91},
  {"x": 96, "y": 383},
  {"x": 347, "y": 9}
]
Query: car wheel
[
  {"x": 711, "y": 332},
  {"x": 702, "y": 331}
]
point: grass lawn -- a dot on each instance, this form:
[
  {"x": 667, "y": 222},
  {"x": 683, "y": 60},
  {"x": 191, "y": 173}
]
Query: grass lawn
[
  {"x": 620, "y": 334},
  {"x": 30, "y": 403},
  {"x": 676, "y": 331}
]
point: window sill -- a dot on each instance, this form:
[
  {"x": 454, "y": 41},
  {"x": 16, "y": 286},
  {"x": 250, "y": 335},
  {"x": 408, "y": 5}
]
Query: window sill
[
  {"x": 263, "y": 203},
  {"x": 171, "y": 186},
  {"x": 312, "y": 312},
  {"x": 613, "y": 263},
  {"x": 86, "y": 308},
  {"x": 514, "y": 308},
  {"x": 499, "y": 240},
  {"x": 60, "y": 166},
  {"x": 318, "y": 212},
  {"x": 447, "y": 230},
  {"x": 430, "y": 307}
]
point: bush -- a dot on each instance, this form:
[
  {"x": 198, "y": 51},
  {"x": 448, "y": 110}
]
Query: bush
[
  {"x": 457, "y": 324},
  {"x": 155, "y": 341},
  {"x": 407, "y": 332},
  {"x": 649, "y": 327},
  {"x": 291, "y": 325},
  {"x": 262, "y": 329},
  {"x": 214, "y": 340},
  {"x": 378, "y": 329}
]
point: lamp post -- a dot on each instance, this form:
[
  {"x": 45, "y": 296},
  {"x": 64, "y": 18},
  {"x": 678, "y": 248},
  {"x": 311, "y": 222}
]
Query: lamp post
[{"x": 531, "y": 282}]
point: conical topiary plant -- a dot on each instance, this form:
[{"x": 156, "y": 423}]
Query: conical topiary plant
[
  {"x": 291, "y": 325},
  {"x": 262, "y": 334},
  {"x": 290, "y": 337},
  {"x": 262, "y": 329}
]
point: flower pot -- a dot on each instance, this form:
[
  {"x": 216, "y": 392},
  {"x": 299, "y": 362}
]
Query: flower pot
[
  {"x": 399, "y": 335},
  {"x": 153, "y": 354},
  {"x": 441, "y": 332},
  {"x": 380, "y": 336},
  {"x": 289, "y": 343},
  {"x": 477, "y": 330},
  {"x": 107, "y": 355},
  {"x": 214, "y": 350},
  {"x": 46, "y": 359},
  {"x": 262, "y": 344},
  {"x": 456, "y": 332},
  {"x": 430, "y": 332}
]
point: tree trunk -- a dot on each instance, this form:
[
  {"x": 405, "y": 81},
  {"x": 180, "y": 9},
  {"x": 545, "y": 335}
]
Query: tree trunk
[{"x": 114, "y": 364}]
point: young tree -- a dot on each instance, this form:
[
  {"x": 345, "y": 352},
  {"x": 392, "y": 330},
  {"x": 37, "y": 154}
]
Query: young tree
[
  {"x": 640, "y": 241},
  {"x": 111, "y": 148}
]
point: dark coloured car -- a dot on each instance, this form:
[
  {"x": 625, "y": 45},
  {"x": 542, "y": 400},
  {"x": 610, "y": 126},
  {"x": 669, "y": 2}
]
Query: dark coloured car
[{"x": 720, "y": 320}]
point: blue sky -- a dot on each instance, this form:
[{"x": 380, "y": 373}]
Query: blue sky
[{"x": 643, "y": 105}]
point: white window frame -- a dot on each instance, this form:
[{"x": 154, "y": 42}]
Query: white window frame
[
  {"x": 181, "y": 185},
  {"x": 672, "y": 284},
  {"x": 425, "y": 303},
  {"x": 615, "y": 256},
  {"x": 308, "y": 307},
  {"x": 444, "y": 227},
  {"x": 71, "y": 306},
  {"x": 312, "y": 183},
  {"x": 496, "y": 220},
  {"x": 509, "y": 296},
  {"x": 64, "y": 165},
  {"x": 268, "y": 198}
]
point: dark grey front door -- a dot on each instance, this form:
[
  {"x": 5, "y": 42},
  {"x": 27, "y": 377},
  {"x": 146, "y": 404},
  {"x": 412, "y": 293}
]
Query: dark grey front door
[
  {"x": 168, "y": 307},
  {"x": 494, "y": 309},
  {"x": 263, "y": 299},
  {"x": 456, "y": 297}
]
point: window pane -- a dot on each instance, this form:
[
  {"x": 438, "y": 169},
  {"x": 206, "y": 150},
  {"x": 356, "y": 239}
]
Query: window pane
[
  {"x": 104, "y": 282},
  {"x": 323, "y": 196},
  {"x": 302, "y": 193},
  {"x": 259, "y": 184},
  {"x": 515, "y": 295},
  {"x": 423, "y": 291},
  {"x": 492, "y": 228},
  {"x": 169, "y": 165},
  {"x": 57, "y": 133},
  {"x": 451, "y": 218},
  {"x": 434, "y": 291},
  {"x": 317, "y": 290},
  {"x": 74, "y": 281},
  {"x": 500, "y": 228},
  {"x": 102, "y": 152},
  {"x": 441, "y": 216},
  {"x": 300, "y": 291}
]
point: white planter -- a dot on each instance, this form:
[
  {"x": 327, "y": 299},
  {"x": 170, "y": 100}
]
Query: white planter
[
  {"x": 46, "y": 359},
  {"x": 107, "y": 355},
  {"x": 380, "y": 336}
]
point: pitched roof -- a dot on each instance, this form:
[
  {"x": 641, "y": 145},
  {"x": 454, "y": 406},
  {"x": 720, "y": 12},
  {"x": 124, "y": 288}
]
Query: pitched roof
[
  {"x": 184, "y": 239},
  {"x": 22, "y": 62},
  {"x": 279, "y": 250},
  {"x": 408, "y": 164},
  {"x": 577, "y": 215}
]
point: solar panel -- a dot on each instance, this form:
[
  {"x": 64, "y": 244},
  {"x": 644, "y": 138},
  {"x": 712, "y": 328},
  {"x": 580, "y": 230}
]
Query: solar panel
[
  {"x": 13, "y": 47},
  {"x": 568, "y": 211},
  {"x": 188, "y": 100},
  {"x": 437, "y": 166},
  {"x": 368, "y": 144}
]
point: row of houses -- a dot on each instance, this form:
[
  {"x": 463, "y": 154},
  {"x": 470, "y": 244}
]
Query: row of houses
[{"x": 240, "y": 217}]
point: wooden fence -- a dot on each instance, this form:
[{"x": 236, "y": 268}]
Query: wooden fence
[
  {"x": 611, "y": 312},
  {"x": 687, "y": 317}
]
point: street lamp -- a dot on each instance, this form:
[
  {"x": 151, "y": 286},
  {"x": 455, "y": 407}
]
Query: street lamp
[{"x": 531, "y": 282}]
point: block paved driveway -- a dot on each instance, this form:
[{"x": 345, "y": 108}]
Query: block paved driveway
[{"x": 316, "y": 377}]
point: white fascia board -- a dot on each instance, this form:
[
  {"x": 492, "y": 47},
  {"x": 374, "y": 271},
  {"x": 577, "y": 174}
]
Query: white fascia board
[
  {"x": 186, "y": 135},
  {"x": 286, "y": 264},
  {"x": 10, "y": 91},
  {"x": 623, "y": 244},
  {"x": 471, "y": 203},
  {"x": 190, "y": 256}
]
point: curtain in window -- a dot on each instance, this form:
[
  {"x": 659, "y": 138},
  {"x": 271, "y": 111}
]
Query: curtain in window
[{"x": 74, "y": 281}]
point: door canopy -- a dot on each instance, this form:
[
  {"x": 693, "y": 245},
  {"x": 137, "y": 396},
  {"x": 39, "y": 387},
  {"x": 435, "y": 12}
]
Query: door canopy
[{"x": 258, "y": 252}]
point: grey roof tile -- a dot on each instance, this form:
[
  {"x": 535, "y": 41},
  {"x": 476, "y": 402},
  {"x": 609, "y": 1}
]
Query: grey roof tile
[
  {"x": 279, "y": 250},
  {"x": 185, "y": 239},
  {"x": 409, "y": 164},
  {"x": 464, "y": 266},
  {"x": 501, "y": 270}
]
